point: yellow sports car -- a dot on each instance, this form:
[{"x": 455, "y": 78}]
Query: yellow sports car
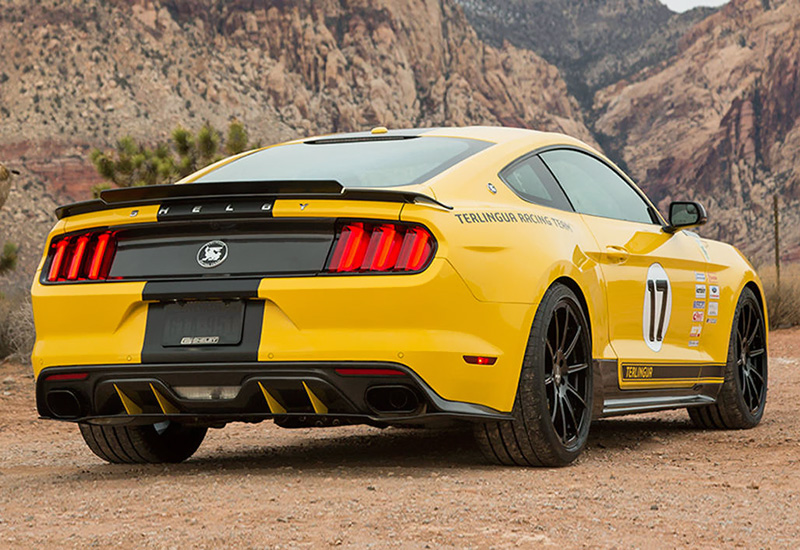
[{"x": 509, "y": 278}]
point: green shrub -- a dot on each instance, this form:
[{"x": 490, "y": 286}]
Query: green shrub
[{"x": 132, "y": 163}]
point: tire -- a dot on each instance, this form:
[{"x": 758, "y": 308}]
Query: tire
[
  {"x": 148, "y": 444},
  {"x": 743, "y": 396},
  {"x": 553, "y": 407}
]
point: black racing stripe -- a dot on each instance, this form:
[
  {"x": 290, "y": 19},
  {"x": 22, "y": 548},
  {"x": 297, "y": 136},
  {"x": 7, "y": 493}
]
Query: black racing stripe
[
  {"x": 200, "y": 290},
  {"x": 713, "y": 371},
  {"x": 153, "y": 350}
]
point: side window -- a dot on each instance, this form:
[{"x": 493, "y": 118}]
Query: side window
[
  {"x": 530, "y": 179},
  {"x": 594, "y": 188}
]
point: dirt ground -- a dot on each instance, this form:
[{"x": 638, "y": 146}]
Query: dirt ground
[{"x": 647, "y": 481}]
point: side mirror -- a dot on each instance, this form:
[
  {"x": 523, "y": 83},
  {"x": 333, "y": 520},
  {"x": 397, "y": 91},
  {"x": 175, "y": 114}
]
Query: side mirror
[{"x": 685, "y": 214}]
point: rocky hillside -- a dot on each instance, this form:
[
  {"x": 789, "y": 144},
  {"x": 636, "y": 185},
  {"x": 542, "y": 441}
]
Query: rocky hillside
[
  {"x": 593, "y": 42},
  {"x": 25, "y": 220},
  {"x": 91, "y": 70},
  {"x": 720, "y": 122},
  {"x": 713, "y": 114},
  {"x": 79, "y": 74}
]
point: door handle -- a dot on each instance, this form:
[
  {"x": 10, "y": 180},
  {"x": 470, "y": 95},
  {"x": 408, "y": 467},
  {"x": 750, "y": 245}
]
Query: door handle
[{"x": 617, "y": 254}]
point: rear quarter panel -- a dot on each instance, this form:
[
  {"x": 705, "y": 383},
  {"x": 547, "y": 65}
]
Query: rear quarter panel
[{"x": 506, "y": 249}]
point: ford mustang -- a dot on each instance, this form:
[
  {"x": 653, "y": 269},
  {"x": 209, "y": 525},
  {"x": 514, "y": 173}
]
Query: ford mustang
[{"x": 511, "y": 279}]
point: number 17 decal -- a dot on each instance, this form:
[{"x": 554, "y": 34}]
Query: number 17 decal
[{"x": 657, "y": 307}]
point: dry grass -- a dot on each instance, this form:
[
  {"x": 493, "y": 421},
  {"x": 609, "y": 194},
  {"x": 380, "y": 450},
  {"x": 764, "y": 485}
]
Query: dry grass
[
  {"x": 783, "y": 305},
  {"x": 17, "y": 333}
]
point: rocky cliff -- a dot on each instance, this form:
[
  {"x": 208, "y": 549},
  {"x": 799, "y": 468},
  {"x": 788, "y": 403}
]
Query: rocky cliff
[
  {"x": 79, "y": 74},
  {"x": 713, "y": 115},
  {"x": 719, "y": 122},
  {"x": 89, "y": 71},
  {"x": 593, "y": 42}
]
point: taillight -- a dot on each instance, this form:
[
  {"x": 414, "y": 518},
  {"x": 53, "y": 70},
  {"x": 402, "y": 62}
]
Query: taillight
[
  {"x": 363, "y": 247},
  {"x": 82, "y": 257}
]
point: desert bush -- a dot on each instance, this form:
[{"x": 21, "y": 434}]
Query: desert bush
[
  {"x": 783, "y": 305},
  {"x": 135, "y": 163},
  {"x": 8, "y": 257},
  {"x": 17, "y": 333}
]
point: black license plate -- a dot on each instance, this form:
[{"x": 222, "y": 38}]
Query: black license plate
[{"x": 203, "y": 323}]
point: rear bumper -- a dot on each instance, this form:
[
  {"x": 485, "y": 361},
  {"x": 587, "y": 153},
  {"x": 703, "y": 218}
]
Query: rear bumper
[
  {"x": 427, "y": 322},
  {"x": 295, "y": 394}
]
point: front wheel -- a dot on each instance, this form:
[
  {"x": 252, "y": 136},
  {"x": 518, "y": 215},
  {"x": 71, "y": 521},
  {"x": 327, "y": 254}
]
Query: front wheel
[
  {"x": 743, "y": 395},
  {"x": 553, "y": 406},
  {"x": 149, "y": 444}
]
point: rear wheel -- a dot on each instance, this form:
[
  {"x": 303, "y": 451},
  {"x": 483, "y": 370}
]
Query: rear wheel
[
  {"x": 153, "y": 443},
  {"x": 553, "y": 406},
  {"x": 743, "y": 395}
]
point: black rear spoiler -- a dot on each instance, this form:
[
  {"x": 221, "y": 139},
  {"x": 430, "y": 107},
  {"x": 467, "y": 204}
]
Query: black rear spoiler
[{"x": 257, "y": 190}]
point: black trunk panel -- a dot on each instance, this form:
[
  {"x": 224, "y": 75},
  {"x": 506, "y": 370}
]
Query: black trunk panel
[{"x": 259, "y": 249}]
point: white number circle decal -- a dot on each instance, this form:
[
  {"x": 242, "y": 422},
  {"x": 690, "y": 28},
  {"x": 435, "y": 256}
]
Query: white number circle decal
[{"x": 657, "y": 307}]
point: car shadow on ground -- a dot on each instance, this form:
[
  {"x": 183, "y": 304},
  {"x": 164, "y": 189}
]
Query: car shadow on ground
[{"x": 361, "y": 454}]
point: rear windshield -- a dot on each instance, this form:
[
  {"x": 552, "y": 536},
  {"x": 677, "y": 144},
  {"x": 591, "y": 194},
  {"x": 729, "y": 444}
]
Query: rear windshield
[{"x": 367, "y": 163}]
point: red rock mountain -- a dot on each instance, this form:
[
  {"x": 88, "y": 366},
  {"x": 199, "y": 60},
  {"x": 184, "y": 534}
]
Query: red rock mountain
[
  {"x": 720, "y": 122},
  {"x": 89, "y": 71},
  {"x": 78, "y": 75},
  {"x": 716, "y": 121}
]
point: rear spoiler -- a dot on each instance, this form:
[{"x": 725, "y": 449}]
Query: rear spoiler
[{"x": 257, "y": 190}]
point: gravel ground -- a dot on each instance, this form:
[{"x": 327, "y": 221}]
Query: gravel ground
[{"x": 647, "y": 481}]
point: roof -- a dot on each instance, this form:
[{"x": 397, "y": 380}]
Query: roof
[{"x": 495, "y": 134}]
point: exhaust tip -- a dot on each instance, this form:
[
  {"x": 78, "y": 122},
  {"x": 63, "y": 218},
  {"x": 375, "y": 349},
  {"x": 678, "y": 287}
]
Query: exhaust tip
[
  {"x": 63, "y": 404},
  {"x": 392, "y": 399}
]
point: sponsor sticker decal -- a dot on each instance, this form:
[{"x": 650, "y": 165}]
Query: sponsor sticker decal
[
  {"x": 699, "y": 276},
  {"x": 697, "y": 317},
  {"x": 700, "y": 292},
  {"x": 712, "y": 277},
  {"x": 713, "y": 309},
  {"x": 694, "y": 343},
  {"x": 711, "y": 321},
  {"x": 696, "y": 330},
  {"x": 713, "y": 291},
  {"x": 699, "y": 304}
]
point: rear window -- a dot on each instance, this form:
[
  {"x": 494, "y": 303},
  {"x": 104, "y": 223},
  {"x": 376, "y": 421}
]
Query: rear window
[{"x": 384, "y": 162}]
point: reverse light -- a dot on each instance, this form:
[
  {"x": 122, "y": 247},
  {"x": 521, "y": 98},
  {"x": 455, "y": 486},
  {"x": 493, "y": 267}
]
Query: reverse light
[
  {"x": 81, "y": 257},
  {"x": 363, "y": 247}
]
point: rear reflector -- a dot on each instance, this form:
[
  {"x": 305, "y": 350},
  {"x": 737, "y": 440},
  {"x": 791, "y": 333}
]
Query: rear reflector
[
  {"x": 363, "y": 247},
  {"x": 86, "y": 256},
  {"x": 370, "y": 372},
  {"x": 68, "y": 376},
  {"x": 480, "y": 360}
]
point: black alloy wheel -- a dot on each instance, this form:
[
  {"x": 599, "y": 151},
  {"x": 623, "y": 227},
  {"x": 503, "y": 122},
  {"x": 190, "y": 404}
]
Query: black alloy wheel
[
  {"x": 743, "y": 395},
  {"x": 553, "y": 407},
  {"x": 567, "y": 373},
  {"x": 751, "y": 357}
]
